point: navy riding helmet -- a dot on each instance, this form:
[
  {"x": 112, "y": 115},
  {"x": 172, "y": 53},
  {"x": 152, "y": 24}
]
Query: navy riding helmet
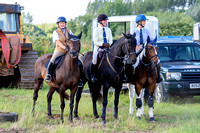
[
  {"x": 140, "y": 17},
  {"x": 61, "y": 19},
  {"x": 102, "y": 17}
]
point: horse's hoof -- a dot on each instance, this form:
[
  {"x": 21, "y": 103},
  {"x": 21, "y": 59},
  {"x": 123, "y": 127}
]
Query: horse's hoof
[
  {"x": 116, "y": 120},
  {"x": 143, "y": 115},
  {"x": 104, "y": 122},
  {"x": 139, "y": 117},
  {"x": 50, "y": 117},
  {"x": 76, "y": 118},
  {"x": 96, "y": 116},
  {"x": 152, "y": 119}
]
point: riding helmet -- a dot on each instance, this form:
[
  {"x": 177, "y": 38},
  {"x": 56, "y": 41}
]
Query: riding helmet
[
  {"x": 140, "y": 17},
  {"x": 61, "y": 19},
  {"x": 102, "y": 17}
]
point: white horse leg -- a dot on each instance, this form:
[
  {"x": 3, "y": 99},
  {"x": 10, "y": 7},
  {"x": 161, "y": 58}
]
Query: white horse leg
[
  {"x": 131, "y": 88},
  {"x": 142, "y": 96},
  {"x": 139, "y": 105},
  {"x": 151, "y": 112},
  {"x": 151, "y": 103}
]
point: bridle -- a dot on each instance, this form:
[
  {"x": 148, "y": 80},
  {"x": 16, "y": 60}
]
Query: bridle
[
  {"x": 152, "y": 58},
  {"x": 71, "y": 51}
]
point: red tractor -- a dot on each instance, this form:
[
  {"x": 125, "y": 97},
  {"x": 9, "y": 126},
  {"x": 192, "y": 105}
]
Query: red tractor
[{"x": 17, "y": 58}]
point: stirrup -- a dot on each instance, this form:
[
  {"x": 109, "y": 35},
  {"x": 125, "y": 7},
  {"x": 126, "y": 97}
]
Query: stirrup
[
  {"x": 94, "y": 79},
  {"x": 80, "y": 83},
  {"x": 48, "y": 78}
]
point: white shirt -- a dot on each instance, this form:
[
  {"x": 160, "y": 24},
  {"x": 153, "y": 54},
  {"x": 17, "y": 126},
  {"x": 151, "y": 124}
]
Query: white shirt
[
  {"x": 145, "y": 34},
  {"x": 98, "y": 36},
  {"x": 56, "y": 36}
]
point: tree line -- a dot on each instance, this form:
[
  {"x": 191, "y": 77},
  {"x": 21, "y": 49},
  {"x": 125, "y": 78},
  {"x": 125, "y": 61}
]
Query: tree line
[{"x": 176, "y": 17}]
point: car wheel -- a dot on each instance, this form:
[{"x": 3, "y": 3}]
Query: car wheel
[
  {"x": 8, "y": 116},
  {"x": 160, "y": 94}
]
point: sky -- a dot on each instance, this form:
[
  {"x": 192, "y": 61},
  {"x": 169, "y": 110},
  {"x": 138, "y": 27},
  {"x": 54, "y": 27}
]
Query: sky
[{"x": 47, "y": 11}]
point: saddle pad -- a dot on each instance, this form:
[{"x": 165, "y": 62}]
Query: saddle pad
[{"x": 57, "y": 63}]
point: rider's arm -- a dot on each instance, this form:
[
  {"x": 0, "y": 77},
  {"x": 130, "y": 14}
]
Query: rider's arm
[
  {"x": 110, "y": 39},
  {"x": 98, "y": 42},
  {"x": 60, "y": 44},
  {"x": 56, "y": 40}
]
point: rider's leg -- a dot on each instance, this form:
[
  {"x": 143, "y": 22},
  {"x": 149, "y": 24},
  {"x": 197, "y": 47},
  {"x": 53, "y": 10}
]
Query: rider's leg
[
  {"x": 50, "y": 67},
  {"x": 80, "y": 83},
  {"x": 159, "y": 79},
  {"x": 94, "y": 66}
]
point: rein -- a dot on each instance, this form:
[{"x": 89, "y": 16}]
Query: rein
[{"x": 112, "y": 66}]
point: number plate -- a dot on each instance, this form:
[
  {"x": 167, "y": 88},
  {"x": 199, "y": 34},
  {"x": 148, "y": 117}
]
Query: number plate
[{"x": 194, "y": 85}]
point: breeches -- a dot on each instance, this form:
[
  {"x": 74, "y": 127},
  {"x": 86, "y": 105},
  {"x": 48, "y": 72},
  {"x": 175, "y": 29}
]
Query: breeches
[
  {"x": 56, "y": 54},
  {"x": 95, "y": 54}
]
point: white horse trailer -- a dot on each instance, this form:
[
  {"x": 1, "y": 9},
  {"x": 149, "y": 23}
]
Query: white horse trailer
[
  {"x": 196, "y": 32},
  {"x": 152, "y": 24}
]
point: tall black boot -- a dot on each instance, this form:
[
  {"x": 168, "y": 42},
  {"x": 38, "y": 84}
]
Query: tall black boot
[
  {"x": 80, "y": 83},
  {"x": 159, "y": 79},
  {"x": 49, "y": 70},
  {"x": 93, "y": 73}
]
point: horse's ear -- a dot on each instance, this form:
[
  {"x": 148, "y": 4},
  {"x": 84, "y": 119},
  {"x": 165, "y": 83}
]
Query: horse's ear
[
  {"x": 125, "y": 35},
  {"x": 148, "y": 39},
  {"x": 79, "y": 36},
  {"x": 155, "y": 39}
]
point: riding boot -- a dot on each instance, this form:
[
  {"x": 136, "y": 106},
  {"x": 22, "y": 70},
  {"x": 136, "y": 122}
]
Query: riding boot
[
  {"x": 80, "y": 83},
  {"x": 94, "y": 73},
  {"x": 125, "y": 80},
  {"x": 49, "y": 70},
  {"x": 159, "y": 79}
]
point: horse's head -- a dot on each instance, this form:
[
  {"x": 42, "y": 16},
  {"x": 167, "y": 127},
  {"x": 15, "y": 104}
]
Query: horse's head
[
  {"x": 129, "y": 48},
  {"x": 74, "y": 45},
  {"x": 152, "y": 51}
]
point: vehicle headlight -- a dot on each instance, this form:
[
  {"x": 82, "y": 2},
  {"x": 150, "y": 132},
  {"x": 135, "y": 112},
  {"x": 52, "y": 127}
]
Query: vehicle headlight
[{"x": 173, "y": 76}]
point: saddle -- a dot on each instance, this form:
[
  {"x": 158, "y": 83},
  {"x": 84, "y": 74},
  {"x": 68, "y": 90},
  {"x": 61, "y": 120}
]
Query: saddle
[{"x": 57, "y": 63}]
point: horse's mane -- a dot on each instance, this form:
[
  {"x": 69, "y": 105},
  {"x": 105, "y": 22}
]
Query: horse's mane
[{"x": 140, "y": 57}]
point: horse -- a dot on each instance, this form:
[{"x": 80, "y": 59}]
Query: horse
[
  {"x": 144, "y": 76},
  {"x": 67, "y": 77},
  {"x": 110, "y": 73}
]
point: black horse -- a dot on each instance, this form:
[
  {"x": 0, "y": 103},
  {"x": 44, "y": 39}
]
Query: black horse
[{"x": 110, "y": 73}]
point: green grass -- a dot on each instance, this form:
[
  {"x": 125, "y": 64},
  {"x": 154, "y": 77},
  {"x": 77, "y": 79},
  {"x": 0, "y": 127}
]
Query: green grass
[{"x": 176, "y": 116}]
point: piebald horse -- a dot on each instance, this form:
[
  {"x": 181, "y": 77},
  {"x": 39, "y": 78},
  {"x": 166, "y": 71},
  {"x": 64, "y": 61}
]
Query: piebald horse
[{"x": 144, "y": 76}]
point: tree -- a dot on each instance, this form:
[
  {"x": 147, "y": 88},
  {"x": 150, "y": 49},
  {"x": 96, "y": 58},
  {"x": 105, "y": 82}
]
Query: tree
[{"x": 194, "y": 11}]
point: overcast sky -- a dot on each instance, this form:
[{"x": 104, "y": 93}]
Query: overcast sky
[{"x": 47, "y": 11}]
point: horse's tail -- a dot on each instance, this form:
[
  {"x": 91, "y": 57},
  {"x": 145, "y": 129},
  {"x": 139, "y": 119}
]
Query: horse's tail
[{"x": 100, "y": 98}]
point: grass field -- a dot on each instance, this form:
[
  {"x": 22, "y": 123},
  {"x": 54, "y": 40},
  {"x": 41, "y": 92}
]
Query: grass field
[{"x": 179, "y": 116}]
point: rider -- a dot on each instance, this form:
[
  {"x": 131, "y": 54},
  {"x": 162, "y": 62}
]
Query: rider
[
  {"x": 141, "y": 37},
  {"x": 102, "y": 37},
  {"x": 60, "y": 37}
]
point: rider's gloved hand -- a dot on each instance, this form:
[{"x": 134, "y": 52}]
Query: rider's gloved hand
[{"x": 106, "y": 45}]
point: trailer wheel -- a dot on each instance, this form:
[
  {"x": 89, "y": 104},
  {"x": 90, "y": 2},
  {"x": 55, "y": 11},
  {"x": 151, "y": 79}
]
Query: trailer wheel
[{"x": 8, "y": 116}]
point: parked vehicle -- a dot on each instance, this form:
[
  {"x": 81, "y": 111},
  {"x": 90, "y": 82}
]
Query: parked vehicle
[
  {"x": 15, "y": 48},
  {"x": 180, "y": 68}
]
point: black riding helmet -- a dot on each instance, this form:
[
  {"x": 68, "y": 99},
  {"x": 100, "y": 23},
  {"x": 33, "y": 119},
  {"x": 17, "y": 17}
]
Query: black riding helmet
[{"x": 102, "y": 17}]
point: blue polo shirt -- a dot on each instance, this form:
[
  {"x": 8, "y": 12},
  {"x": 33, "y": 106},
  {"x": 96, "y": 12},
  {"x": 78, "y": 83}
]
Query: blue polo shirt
[{"x": 145, "y": 34}]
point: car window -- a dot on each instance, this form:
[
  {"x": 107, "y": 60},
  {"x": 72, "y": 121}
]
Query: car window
[{"x": 179, "y": 52}]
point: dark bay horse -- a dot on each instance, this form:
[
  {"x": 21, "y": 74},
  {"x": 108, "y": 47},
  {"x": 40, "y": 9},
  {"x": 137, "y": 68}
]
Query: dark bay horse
[
  {"x": 144, "y": 76},
  {"x": 110, "y": 73},
  {"x": 67, "y": 76}
]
